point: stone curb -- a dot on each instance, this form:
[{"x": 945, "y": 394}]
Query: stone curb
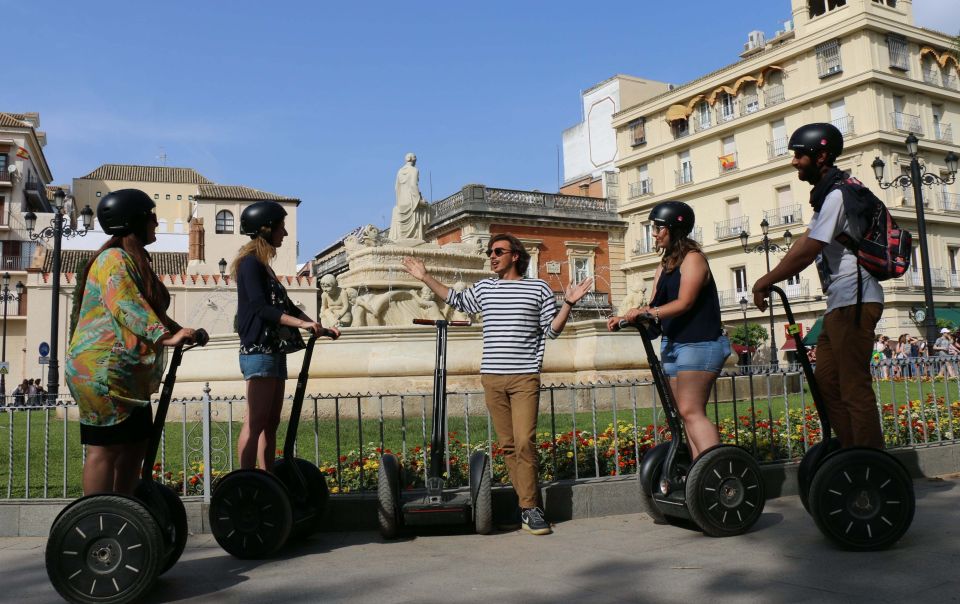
[{"x": 564, "y": 500}]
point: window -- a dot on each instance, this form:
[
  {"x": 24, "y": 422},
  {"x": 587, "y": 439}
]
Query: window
[
  {"x": 156, "y": 196},
  {"x": 779, "y": 140},
  {"x": 954, "y": 254},
  {"x": 645, "y": 186},
  {"x": 685, "y": 175},
  {"x": 740, "y": 281},
  {"x": 899, "y": 57},
  {"x": 727, "y": 107},
  {"x": 168, "y": 197},
  {"x": 3, "y": 162},
  {"x": 733, "y": 208},
  {"x": 839, "y": 117},
  {"x": 938, "y": 130},
  {"x": 751, "y": 102},
  {"x": 703, "y": 116},
  {"x": 638, "y": 132},
  {"x": 890, "y": 3},
  {"x": 190, "y": 197},
  {"x": 179, "y": 197},
  {"x": 581, "y": 269},
  {"x": 224, "y": 222},
  {"x": 648, "y": 237},
  {"x": 828, "y": 59},
  {"x": 98, "y": 193},
  {"x": 820, "y": 7},
  {"x": 680, "y": 128},
  {"x": 728, "y": 161}
]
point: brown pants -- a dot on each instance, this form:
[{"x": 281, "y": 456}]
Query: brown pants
[
  {"x": 843, "y": 374},
  {"x": 513, "y": 402}
]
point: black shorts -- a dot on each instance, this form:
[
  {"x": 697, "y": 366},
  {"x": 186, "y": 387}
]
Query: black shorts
[{"x": 137, "y": 427}]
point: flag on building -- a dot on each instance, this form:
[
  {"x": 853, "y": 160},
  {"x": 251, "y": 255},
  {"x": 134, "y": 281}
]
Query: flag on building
[
  {"x": 22, "y": 153},
  {"x": 728, "y": 162}
]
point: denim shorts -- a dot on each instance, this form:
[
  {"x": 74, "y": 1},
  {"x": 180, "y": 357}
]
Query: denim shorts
[
  {"x": 262, "y": 365},
  {"x": 693, "y": 356}
]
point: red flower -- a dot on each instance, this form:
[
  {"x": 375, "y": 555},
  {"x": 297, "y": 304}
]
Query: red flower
[{"x": 343, "y": 458}]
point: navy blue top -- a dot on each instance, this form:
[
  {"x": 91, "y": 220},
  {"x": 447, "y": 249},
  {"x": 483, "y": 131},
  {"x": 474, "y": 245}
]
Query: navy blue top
[
  {"x": 699, "y": 324},
  {"x": 261, "y": 301}
]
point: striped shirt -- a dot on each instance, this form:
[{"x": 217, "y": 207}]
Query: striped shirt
[{"x": 516, "y": 316}]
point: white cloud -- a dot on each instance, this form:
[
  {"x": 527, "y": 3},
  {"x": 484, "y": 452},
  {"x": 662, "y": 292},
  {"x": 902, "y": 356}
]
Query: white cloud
[{"x": 941, "y": 15}]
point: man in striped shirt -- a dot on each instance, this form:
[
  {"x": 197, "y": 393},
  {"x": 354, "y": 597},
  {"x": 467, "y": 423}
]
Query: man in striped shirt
[{"x": 518, "y": 315}]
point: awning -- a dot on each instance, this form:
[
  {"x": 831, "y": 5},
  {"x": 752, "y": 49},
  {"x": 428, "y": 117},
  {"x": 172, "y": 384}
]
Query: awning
[
  {"x": 694, "y": 101},
  {"x": 740, "y": 348},
  {"x": 677, "y": 112},
  {"x": 948, "y": 314},
  {"x": 811, "y": 338},
  {"x": 712, "y": 99},
  {"x": 926, "y": 50},
  {"x": 790, "y": 344},
  {"x": 744, "y": 80},
  {"x": 765, "y": 71},
  {"x": 946, "y": 58}
]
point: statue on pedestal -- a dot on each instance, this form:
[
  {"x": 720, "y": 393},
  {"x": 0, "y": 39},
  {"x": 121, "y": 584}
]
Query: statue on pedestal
[
  {"x": 334, "y": 304},
  {"x": 411, "y": 215}
]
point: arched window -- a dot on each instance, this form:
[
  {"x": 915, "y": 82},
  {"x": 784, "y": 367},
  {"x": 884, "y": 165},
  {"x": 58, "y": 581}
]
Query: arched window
[{"x": 224, "y": 222}]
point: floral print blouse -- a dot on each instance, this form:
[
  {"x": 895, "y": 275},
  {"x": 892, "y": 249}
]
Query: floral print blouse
[{"x": 114, "y": 362}]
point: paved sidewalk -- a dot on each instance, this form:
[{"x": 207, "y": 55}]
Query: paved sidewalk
[{"x": 613, "y": 559}]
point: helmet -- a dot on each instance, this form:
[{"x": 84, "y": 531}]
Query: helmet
[
  {"x": 259, "y": 215},
  {"x": 121, "y": 212},
  {"x": 675, "y": 215},
  {"x": 814, "y": 138}
]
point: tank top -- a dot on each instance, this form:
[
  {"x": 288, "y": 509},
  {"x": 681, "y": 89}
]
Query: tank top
[{"x": 699, "y": 324}]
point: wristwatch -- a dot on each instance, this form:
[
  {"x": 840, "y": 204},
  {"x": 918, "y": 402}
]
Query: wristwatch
[{"x": 572, "y": 304}]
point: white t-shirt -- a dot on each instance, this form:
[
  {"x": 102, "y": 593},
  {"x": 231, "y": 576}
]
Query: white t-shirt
[{"x": 838, "y": 265}]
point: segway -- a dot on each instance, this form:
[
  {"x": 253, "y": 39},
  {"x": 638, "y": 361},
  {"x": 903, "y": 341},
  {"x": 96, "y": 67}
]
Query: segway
[
  {"x": 722, "y": 491},
  {"x": 862, "y": 499},
  {"x": 438, "y": 505},
  {"x": 254, "y": 513},
  {"x": 110, "y": 548}
]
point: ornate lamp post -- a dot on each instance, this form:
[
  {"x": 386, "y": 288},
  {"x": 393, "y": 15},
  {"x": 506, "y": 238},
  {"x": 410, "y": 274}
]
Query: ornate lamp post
[
  {"x": 916, "y": 179},
  {"x": 765, "y": 247},
  {"x": 57, "y": 230},
  {"x": 6, "y": 296},
  {"x": 223, "y": 268}
]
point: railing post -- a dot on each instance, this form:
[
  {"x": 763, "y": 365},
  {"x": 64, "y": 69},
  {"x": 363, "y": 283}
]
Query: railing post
[{"x": 207, "y": 468}]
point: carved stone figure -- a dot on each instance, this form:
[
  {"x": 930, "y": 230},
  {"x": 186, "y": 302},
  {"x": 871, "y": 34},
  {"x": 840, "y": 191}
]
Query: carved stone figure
[
  {"x": 368, "y": 309},
  {"x": 635, "y": 298},
  {"x": 334, "y": 305},
  {"x": 452, "y": 313},
  {"x": 411, "y": 215},
  {"x": 429, "y": 308},
  {"x": 370, "y": 236}
]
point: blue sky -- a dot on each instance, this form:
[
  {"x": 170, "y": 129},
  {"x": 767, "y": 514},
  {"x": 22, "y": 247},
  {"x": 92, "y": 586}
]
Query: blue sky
[{"x": 321, "y": 100}]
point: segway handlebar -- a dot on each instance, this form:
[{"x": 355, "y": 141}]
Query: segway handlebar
[
  {"x": 641, "y": 319},
  {"x": 445, "y": 322}
]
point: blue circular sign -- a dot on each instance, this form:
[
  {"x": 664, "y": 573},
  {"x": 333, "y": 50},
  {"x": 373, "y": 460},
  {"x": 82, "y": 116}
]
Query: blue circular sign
[{"x": 44, "y": 349}]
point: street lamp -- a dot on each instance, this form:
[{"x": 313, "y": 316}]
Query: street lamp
[
  {"x": 916, "y": 179},
  {"x": 766, "y": 246},
  {"x": 223, "y": 268},
  {"x": 57, "y": 231},
  {"x": 6, "y": 296}
]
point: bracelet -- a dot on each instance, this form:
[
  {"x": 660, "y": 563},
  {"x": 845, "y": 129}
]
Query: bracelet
[
  {"x": 572, "y": 304},
  {"x": 656, "y": 312}
]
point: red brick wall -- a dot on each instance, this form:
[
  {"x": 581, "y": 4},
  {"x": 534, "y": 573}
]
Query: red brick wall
[
  {"x": 449, "y": 237},
  {"x": 553, "y": 249}
]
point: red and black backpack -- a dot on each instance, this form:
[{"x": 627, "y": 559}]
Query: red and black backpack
[{"x": 883, "y": 249}]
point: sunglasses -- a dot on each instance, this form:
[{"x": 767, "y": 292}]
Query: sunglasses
[
  {"x": 659, "y": 227},
  {"x": 499, "y": 251}
]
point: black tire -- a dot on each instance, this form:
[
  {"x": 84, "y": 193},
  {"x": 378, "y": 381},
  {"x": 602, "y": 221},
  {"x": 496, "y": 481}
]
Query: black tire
[
  {"x": 808, "y": 466},
  {"x": 104, "y": 549},
  {"x": 649, "y": 507},
  {"x": 171, "y": 515},
  {"x": 725, "y": 492},
  {"x": 483, "y": 504},
  {"x": 862, "y": 499},
  {"x": 250, "y": 514},
  {"x": 388, "y": 496},
  {"x": 318, "y": 495}
]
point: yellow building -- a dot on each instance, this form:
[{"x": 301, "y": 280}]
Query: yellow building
[{"x": 719, "y": 143}]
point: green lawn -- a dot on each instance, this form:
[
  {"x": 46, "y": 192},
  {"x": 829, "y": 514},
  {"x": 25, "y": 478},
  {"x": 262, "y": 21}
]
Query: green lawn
[{"x": 317, "y": 440}]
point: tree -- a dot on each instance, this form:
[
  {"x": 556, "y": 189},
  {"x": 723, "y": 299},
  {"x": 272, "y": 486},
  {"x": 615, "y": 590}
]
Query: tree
[{"x": 751, "y": 335}]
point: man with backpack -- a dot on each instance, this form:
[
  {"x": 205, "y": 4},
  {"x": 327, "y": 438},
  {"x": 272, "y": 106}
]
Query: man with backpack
[{"x": 846, "y": 218}]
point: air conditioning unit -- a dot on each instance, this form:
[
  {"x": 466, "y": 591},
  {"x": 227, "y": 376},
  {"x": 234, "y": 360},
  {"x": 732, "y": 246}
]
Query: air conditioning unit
[
  {"x": 788, "y": 25},
  {"x": 755, "y": 39}
]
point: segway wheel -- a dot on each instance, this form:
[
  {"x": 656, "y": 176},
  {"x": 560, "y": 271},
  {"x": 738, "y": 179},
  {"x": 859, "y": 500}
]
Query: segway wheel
[
  {"x": 388, "y": 496},
  {"x": 648, "y": 478},
  {"x": 725, "y": 491},
  {"x": 862, "y": 499},
  {"x": 318, "y": 495},
  {"x": 483, "y": 502},
  {"x": 105, "y": 549},
  {"x": 811, "y": 459},
  {"x": 250, "y": 514},
  {"x": 171, "y": 515}
]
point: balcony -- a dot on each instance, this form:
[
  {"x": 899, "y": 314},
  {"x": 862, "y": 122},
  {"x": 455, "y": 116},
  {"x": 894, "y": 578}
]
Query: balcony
[
  {"x": 950, "y": 80},
  {"x": 731, "y": 297},
  {"x": 950, "y": 202},
  {"x": 643, "y": 246},
  {"x": 844, "y": 125},
  {"x": 913, "y": 279},
  {"x": 931, "y": 75},
  {"x": 797, "y": 291},
  {"x": 684, "y": 176},
  {"x": 487, "y": 200},
  {"x": 777, "y": 148},
  {"x": 728, "y": 229},
  {"x": 5, "y": 176},
  {"x": 590, "y": 300},
  {"x": 907, "y": 122},
  {"x": 727, "y": 111},
  {"x": 773, "y": 95},
  {"x": 697, "y": 235},
  {"x": 750, "y": 104},
  {"x": 36, "y": 194},
  {"x": 954, "y": 280},
  {"x": 640, "y": 188},
  {"x": 943, "y": 132},
  {"x": 335, "y": 264},
  {"x": 784, "y": 216},
  {"x": 15, "y": 263},
  {"x": 17, "y": 308},
  {"x": 728, "y": 162}
]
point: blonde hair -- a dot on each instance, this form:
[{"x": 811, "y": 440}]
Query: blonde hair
[{"x": 258, "y": 247}]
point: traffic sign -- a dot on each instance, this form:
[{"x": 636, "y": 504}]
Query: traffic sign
[
  {"x": 44, "y": 361},
  {"x": 5, "y": 368},
  {"x": 44, "y": 349}
]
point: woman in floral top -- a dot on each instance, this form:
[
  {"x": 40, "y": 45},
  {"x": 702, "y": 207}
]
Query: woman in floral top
[
  {"x": 267, "y": 322},
  {"x": 115, "y": 356}
]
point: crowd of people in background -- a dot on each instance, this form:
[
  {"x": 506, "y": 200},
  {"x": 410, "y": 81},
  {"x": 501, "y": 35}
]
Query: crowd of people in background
[
  {"x": 910, "y": 356},
  {"x": 27, "y": 392}
]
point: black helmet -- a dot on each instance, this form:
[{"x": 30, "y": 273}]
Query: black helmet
[
  {"x": 121, "y": 212},
  {"x": 259, "y": 215},
  {"x": 675, "y": 215},
  {"x": 814, "y": 138}
]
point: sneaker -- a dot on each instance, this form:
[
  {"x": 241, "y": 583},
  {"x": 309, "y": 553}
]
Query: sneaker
[
  {"x": 533, "y": 522},
  {"x": 511, "y": 522}
]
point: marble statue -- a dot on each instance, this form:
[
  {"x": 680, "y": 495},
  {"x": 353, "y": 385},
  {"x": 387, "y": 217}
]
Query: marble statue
[
  {"x": 635, "y": 298},
  {"x": 334, "y": 304},
  {"x": 368, "y": 309},
  {"x": 454, "y": 314},
  {"x": 429, "y": 308},
  {"x": 370, "y": 236},
  {"x": 411, "y": 215}
]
